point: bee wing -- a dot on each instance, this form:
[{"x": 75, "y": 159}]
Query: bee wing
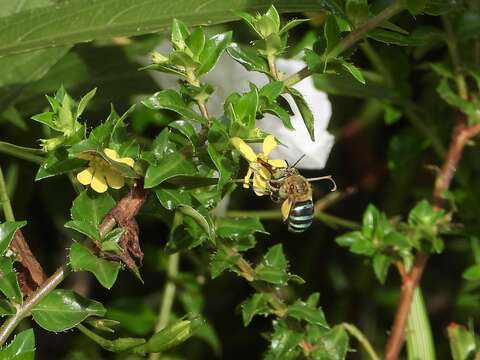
[{"x": 286, "y": 206}]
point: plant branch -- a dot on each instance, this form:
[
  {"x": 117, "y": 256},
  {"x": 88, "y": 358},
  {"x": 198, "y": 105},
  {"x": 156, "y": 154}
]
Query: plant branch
[
  {"x": 167, "y": 298},
  {"x": 21, "y": 152},
  {"x": 348, "y": 41},
  {"x": 24, "y": 310},
  {"x": 460, "y": 137},
  {"x": 19, "y": 246},
  {"x": 362, "y": 339},
  {"x": 126, "y": 209}
]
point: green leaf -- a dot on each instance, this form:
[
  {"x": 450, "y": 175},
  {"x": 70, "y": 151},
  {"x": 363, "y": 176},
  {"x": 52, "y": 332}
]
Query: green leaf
[
  {"x": 467, "y": 107},
  {"x": 416, "y": 7},
  {"x": 472, "y": 273},
  {"x": 169, "y": 337},
  {"x": 224, "y": 166},
  {"x": 244, "y": 108},
  {"x": 238, "y": 228},
  {"x": 83, "y": 103},
  {"x": 196, "y": 42},
  {"x": 214, "y": 47},
  {"x": 180, "y": 34},
  {"x": 171, "y": 100},
  {"x": 440, "y": 7},
  {"x": 273, "y": 268},
  {"x": 305, "y": 111},
  {"x": 420, "y": 37},
  {"x": 84, "y": 227},
  {"x": 301, "y": 310},
  {"x": 462, "y": 342},
  {"x": 357, "y": 10},
  {"x": 381, "y": 264},
  {"x": 6, "y": 309},
  {"x": 172, "y": 165},
  {"x": 354, "y": 71},
  {"x": 172, "y": 198},
  {"x": 82, "y": 259},
  {"x": 63, "y": 309},
  {"x": 255, "y": 305},
  {"x": 91, "y": 207},
  {"x": 272, "y": 90},
  {"x": 332, "y": 33},
  {"x": 136, "y": 19},
  {"x": 57, "y": 163},
  {"x": 21, "y": 70},
  {"x": 7, "y": 231},
  {"x": 423, "y": 214},
  {"x": 284, "y": 343},
  {"x": 8, "y": 281},
  {"x": 248, "y": 57},
  {"x": 22, "y": 347},
  {"x": 333, "y": 344},
  {"x": 219, "y": 262},
  {"x": 291, "y": 24},
  {"x": 201, "y": 217}
]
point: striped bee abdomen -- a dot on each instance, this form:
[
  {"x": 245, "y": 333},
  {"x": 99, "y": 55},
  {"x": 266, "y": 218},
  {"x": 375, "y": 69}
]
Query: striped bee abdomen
[
  {"x": 274, "y": 190},
  {"x": 301, "y": 216}
]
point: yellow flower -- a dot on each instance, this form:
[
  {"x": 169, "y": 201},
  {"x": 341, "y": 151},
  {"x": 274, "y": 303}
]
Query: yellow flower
[
  {"x": 100, "y": 174},
  {"x": 261, "y": 175}
]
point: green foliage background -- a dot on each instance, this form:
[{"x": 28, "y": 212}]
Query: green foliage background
[{"x": 396, "y": 98}]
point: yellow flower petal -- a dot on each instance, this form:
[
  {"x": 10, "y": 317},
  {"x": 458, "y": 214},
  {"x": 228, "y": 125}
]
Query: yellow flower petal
[
  {"x": 112, "y": 154},
  {"x": 261, "y": 178},
  {"x": 246, "y": 179},
  {"x": 260, "y": 185},
  {"x": 114, "y": 179},
  {"x": 269, "y": 144},
  {"x": 99, "y": 183},
  {"x": 85, "y": 177},
  {"x": 279, "y": 163},
  {"x": 127, "y": 161},
  {"x": 244, "y": 149}
]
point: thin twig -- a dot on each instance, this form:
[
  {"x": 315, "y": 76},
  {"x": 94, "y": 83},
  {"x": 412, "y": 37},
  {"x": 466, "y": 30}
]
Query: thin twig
[
  {"x": 127, "y": 208},
  {"x": 460, "y": 137},
  {"x": 362, "y": 339},
  {"x": 19, "y": 246},
  {"x": 348, "y": 41},
  {"x": 167, "y": 298},
  {"x": 23, "y": 311}
]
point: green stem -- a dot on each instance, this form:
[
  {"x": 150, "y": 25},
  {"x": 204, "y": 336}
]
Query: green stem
[
  {"x": 377, "y": 62},
  {"x": 5, "y": 200},
  {"x": 24, "y": 310},
  {"x": 272, "y": 66},
  {"x": 21, "y": 152},
  {"x": 350, "y": 39},
  {"x": 90, "y": 334},
  {"x": 419, "y": 335},
  {"x": 455, "y": 56},
  {"x": 168, "y": 297},
  {"x": 328, "y": 219},
  {"x": 362, "y": 339}
]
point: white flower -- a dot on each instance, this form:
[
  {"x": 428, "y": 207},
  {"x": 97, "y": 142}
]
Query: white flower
[{"x": 229, "y": 76}]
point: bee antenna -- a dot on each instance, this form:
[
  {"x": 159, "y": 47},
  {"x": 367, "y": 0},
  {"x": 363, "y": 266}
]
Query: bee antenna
[
  {"x": 329, "y": 177},
  {"x": 299, "y": 159}
]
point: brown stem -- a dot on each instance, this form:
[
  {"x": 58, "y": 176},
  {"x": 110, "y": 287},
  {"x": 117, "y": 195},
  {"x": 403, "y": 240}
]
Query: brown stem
[
  {"x": 460, "y": 137},
  {"x": 126, "y": 209},
  {"x": 409, "y": 284}
]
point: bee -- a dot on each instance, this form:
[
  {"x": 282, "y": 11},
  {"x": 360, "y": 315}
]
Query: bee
[{"x": 289, "y": 186}]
